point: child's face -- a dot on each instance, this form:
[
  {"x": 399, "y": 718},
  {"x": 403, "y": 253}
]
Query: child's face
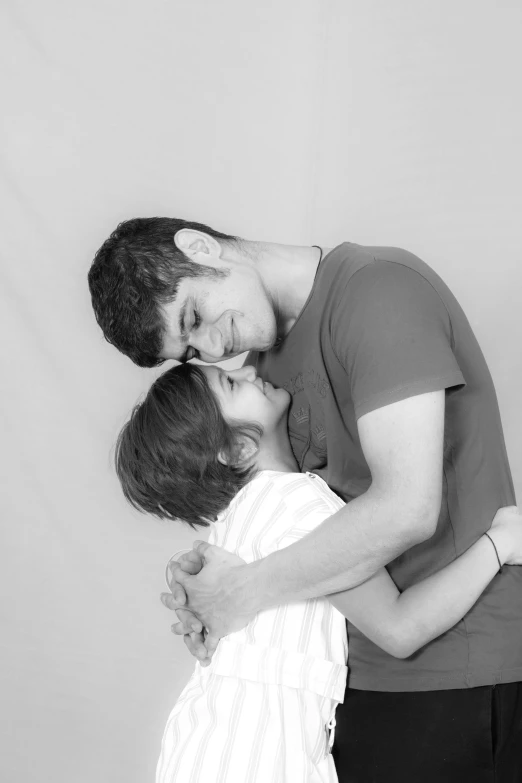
[{"x": 242, "y": 396}]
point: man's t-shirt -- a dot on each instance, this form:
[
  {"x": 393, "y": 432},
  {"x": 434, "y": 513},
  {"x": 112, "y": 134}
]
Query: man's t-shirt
[{"x": 380, "y": 326}]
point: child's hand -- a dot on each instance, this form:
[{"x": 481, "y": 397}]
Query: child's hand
[{"x": 506, "y": 532}]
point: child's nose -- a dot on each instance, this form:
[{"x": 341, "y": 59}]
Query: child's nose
[
  {"x": 247, "y": 373},
  {"x": 250, "y": 373}
]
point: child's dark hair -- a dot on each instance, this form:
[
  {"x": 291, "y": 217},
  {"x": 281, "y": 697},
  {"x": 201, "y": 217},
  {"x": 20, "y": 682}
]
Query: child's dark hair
[{"x": 167, "y": 453}]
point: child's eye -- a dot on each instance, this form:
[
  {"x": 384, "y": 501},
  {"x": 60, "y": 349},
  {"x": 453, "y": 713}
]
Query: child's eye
[
  {"x": 231, "y": 381},
  {"x": 197, "y": 319}
]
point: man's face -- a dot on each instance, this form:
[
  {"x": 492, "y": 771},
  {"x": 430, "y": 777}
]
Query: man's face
[{"x": 216, "y": 318}]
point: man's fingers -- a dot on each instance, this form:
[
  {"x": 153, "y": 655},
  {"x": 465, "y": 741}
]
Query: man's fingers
[
  {"x": 195, "y": 644},
  {"x": 211, "y": 643},
  {"x": 179, "y": 629},
  {"x": 177, "y": 573},
  {"x": 194, "y": 556},
  {"x": 169, "y": 600},
  {"x": 191, "y": 562},
  {"x": 189, "y": 621},
  {"x": 201, "y": 548},
  {"x": 176, "y": 579},
  {"x": 179, "y": 594},
  {"x": 210, "y": 553}
]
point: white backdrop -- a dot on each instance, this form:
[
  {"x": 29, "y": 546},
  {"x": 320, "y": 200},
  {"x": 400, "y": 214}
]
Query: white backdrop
[{"x": 305, "y": 121}]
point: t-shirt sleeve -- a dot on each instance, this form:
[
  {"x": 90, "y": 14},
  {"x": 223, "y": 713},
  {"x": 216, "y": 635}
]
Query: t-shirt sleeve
[{"x": 392, "y": 334}]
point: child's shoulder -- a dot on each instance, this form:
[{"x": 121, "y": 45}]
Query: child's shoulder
[
  {"x": 296, "y": 489},
  {"x": 274, "y": 509},
  {"x": 283, "y": 482},
  {"x": 277, "y": 492}
]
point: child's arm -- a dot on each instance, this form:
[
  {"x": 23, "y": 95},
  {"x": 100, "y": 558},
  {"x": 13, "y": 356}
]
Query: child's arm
[{"x": 401, "y": 623}]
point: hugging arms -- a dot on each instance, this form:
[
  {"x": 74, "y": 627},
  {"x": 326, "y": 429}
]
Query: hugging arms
[{"x": 398, "y": 623}]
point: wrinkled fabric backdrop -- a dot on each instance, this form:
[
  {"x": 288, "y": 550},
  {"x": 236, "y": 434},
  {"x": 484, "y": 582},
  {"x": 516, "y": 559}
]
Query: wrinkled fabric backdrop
[{"x": 304, "y": 121}]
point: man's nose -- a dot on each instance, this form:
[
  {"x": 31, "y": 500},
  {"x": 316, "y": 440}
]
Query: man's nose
[{"x": 208, "y": 342}]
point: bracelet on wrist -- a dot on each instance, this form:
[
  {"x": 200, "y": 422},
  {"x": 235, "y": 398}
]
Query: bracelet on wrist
[{"x": 496, "y": 551}]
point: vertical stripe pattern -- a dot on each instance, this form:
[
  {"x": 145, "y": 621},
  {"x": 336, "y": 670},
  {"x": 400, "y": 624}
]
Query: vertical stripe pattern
[{"x": 259, "y": 711}]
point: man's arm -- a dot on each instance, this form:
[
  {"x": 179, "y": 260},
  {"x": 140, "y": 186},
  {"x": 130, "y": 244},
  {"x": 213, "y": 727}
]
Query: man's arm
[
  {"x": 402, "y": 444},
  {"x": 401, "y": 623}
]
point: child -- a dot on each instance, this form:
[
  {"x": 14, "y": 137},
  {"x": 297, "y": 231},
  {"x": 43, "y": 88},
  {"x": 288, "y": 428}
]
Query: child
[{"x": 211, "y": 447}]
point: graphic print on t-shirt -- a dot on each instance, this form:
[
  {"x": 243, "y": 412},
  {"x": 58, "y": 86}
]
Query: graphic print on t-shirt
[{"x": 306, "y": 421}]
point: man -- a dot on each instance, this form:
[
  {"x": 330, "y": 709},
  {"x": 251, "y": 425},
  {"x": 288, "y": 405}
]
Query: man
[{"x": 393, "y": 405}]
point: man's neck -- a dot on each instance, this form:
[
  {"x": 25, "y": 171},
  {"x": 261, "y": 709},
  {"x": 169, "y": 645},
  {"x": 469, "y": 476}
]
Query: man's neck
[{"x": 288, "y": 273}]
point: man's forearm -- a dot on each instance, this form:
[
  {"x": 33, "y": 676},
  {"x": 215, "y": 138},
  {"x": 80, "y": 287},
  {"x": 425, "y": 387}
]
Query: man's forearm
[{"x": 345, "y": 550}]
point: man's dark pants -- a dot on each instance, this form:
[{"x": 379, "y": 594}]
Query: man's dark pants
[{"x": 456, "y": 736}]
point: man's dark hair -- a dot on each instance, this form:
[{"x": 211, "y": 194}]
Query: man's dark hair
[
  {"x": 136, "y": 271},
  {"x": 167, "y": 453}
]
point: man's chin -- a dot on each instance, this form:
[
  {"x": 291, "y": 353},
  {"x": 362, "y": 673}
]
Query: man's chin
[{"x": 271, "y": 343}]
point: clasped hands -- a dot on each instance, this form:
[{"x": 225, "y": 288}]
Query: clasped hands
[{"x": 209, "y": 596}]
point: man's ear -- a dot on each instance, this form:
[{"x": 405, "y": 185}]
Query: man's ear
[
  {"x": 200, "y": 248},
  {"x": 244, "y": 451}
]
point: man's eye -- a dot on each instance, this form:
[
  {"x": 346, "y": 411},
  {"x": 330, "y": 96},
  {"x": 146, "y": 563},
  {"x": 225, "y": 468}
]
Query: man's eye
[{"x": 231, "y": 381}]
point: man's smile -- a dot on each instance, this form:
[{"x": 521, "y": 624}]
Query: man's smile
[{"x": 235, "y": 340}]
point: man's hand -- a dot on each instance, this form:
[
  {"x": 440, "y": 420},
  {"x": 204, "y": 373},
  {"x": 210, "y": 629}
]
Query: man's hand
[
  {"x": 190, "y": 562},
  {"x": 195, "y": 643},
  {"x": 189, "y": 626},
  {"x": 212, "y": 597}
]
